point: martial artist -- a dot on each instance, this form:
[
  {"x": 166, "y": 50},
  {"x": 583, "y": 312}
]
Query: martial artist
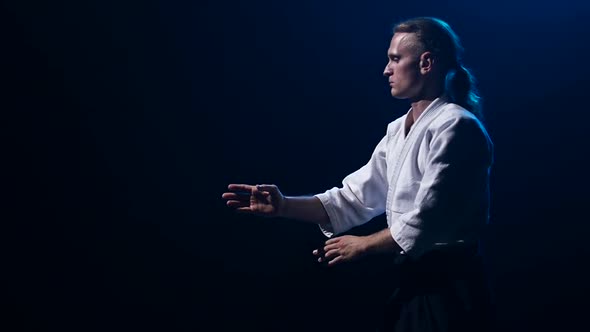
[{"x": 429, "y": 174}]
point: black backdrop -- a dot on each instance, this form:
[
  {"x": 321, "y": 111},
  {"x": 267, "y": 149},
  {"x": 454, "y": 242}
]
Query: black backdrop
[{"x": 123, "y": 123}]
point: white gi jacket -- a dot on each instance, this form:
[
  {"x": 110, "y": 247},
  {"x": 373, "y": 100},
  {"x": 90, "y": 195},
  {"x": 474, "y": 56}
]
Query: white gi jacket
[{"x": 433, "y": 183}]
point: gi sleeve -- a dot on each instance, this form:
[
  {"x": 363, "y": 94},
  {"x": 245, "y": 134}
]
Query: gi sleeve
[{"x": 361, "y": 197}]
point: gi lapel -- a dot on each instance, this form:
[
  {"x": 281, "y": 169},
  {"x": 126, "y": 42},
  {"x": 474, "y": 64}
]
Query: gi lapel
[{"x": 415, "y": 132}]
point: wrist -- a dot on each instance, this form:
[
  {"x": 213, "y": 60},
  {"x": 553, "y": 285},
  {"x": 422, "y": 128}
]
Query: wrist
[
  {"x": 282, "y": 210},
  {"x": 368, "y": 244},
  {"x": 381, "y": 242}
]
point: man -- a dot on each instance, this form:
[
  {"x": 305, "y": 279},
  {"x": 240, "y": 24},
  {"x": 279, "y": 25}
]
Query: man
[{"x": 429, "y": 174}]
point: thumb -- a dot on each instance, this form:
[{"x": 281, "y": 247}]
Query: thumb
[{"x": 267, "y": 187}]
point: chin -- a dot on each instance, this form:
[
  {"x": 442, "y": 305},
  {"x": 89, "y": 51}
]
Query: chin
[{"x": 396, "y": 95}]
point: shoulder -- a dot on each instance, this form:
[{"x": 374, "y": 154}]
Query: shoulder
[
  {"x": 454, "y": 117},
  {"x": 457, "y": 128}
]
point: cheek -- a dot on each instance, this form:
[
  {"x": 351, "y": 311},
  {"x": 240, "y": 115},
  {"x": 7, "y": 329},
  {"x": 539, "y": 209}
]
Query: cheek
[
  {"x": 404, "y": 70},
  {"x": 402, "y": 76},
  {"x": 399, "y": 72}
]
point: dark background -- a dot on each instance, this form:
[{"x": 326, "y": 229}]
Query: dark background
[{"x": 122, "y": 123}]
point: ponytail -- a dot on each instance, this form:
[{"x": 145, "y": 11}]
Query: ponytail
[{"x": 460, "y": 89}]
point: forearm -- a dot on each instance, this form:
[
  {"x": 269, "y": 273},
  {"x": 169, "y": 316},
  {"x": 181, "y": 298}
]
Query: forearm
[
  {"x": 381, "y": 242},
  {"x": 308, "y": 209}
]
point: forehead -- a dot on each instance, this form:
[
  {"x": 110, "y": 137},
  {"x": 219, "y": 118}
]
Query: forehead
[{"x": 402, "y": 42}]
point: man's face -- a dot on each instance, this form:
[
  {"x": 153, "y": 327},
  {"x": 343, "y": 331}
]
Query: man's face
[{"x": 403, "y": 68}]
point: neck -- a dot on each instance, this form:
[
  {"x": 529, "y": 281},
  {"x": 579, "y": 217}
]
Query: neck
[
  {"x": 419, "y": 106},
  {"x": 420, "y": 103}
]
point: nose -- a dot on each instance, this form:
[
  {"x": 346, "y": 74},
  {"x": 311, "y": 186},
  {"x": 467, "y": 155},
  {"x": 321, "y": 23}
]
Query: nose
[{"x": 387, "y": 71}]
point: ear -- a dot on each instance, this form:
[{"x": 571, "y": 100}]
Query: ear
[{"x": 426, "y": 62}]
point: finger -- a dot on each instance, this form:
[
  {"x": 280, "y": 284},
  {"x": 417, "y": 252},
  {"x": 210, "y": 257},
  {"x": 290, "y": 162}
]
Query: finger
[
  {"x": 235, "y": 196},
  {"x": 237, "y": 204},
  {"x": 266, "y": 187},
  {"x": 240, "y": 187},
  {"x": 258, "y": 193},
  {"x": 332, "y": 253},
  {"x": 335, "y": 261},
  {"x": 333, "y": 240},
  {"x": 331, "y": 246},
  {"x": 319, "y": 252},
  {"x": 246, "y": 210}
]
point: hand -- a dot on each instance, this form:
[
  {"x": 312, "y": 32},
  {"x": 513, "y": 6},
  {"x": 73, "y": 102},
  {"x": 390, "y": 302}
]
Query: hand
[
  {"x": 342, "y": 249},
  {"x": 263, "y": 200}
]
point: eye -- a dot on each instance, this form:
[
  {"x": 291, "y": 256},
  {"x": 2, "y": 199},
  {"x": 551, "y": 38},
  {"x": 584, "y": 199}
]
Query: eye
[{"x": 394, "y": 59}]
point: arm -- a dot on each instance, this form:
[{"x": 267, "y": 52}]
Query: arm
[
  {"x": 362, "y": 195},
  {"x": 268, "y": 201},
  {"x": 349, "y": 248},
  {"x": 307, "y": 209},
  {"x": 381, "y": 242},
  {"x": 361, "y": 198}
]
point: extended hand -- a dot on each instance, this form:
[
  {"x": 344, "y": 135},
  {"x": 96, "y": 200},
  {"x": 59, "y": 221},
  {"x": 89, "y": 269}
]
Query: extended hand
[
  {"x": 264, "y": 200},
  {"x": 342, "y": 249}
]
